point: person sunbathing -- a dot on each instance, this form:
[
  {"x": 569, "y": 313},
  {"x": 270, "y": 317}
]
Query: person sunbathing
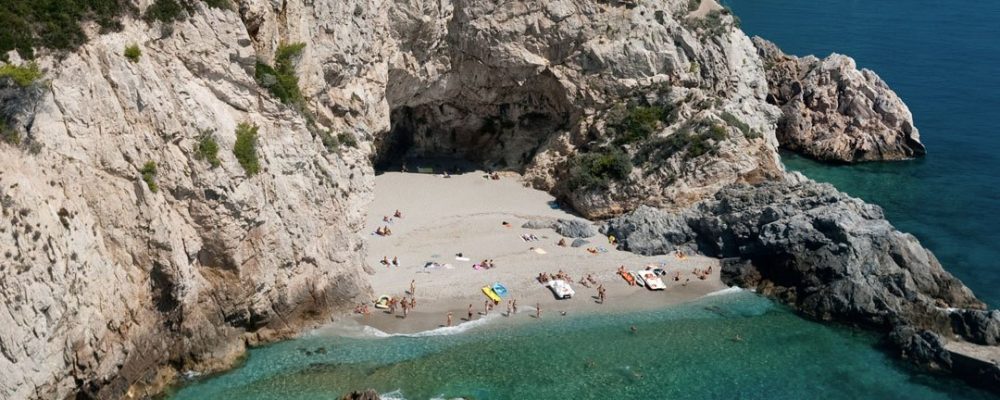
[
  {"x": 395, "y": 261},
  {"x": 387, "y": 231},
  {"x": 379, "y": 231},
  {"x": 590, "y": 278},
  {"x": 398, "y": 214},
  {"x": 385, "y": 260},
  {"x": 562, "y": 242},
  {"x": 592, "y": 250}
]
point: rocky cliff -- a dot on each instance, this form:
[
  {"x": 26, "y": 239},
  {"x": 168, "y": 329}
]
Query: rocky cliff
[
  {"x": 828, "y": 255},
  {"x": 831, "y": 111},
  {"x": 133, "y": 254}
]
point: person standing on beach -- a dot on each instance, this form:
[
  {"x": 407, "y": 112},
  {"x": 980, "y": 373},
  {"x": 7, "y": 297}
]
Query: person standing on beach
[
  {"x": 470, "y": 312},
  {"x": 508, "y": 308},
  {"x": 538, "y": 310},
  {"x": 513, "y": 305},
  {"x": 413, "y": 303},
  {"x": 486, "y": 308},
  {"x": 600, "y": 293},
  {"x": 392, "y": 306},
  {"x": 449, "y": 318},
  {"x": 413, "y": 287},
  {"x": 406, "y": 307}
]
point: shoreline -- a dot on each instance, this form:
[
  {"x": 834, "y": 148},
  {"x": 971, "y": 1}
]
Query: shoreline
[{"x": 444, "y": 217}]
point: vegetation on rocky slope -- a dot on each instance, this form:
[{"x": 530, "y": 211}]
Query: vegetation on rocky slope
[
  {"x": 22, "y": 75},
  {"x": 27, "y": 25},
  {"x": 596, "y": 170},
  {"x": 148, "y": 172},
  {"x": 245, "y": 148},
  {"x": 207, "y": 149},
  {"x": 281, "y": 79},
  {"x": 132, "y": 53}
]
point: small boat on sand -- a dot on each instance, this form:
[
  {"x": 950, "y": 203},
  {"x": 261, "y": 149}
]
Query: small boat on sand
[
  {"x": 488, "y": 291},
  {"x": 638, "y": 278},
  {"x": 383, "y": 302},
  {"x": 653, "y": 282},
  {"x": 560, "y": 289},
  {"x": 499, "y": 289}
]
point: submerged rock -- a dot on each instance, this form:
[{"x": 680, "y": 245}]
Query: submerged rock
[
  {"x": 369, "y": 394},
  {"x": 834, "y": 112}
]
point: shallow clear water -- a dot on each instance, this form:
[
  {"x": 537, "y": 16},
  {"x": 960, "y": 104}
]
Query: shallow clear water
[
  {"x": 943, "y": 59},
  {"x": 687, "y": 352}
]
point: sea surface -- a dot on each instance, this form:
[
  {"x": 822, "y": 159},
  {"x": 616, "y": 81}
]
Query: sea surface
[
  {"x": 943, "y": 58},
  {"x": 686, "y": 352}
]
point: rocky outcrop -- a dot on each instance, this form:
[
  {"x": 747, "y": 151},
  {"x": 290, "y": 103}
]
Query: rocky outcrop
[
  {"x": 571, "y": 228},
  {"x": 831, "y": 111},
  {"x": 830, "y": 256}
]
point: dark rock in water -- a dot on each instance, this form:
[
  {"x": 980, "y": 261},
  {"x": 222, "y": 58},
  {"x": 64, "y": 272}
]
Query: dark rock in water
[
  {"x": 981, "y": 327},
  {"x": 574, "y": 228},
  {"x": 369, "y": 394},
  {"x": 832, "y": 257},
  {"x": 921, "y": 347},
  {"x": 579, "y": 243}
]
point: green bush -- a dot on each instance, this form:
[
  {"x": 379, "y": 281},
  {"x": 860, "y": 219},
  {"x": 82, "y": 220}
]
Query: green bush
[
  {"x": 281, "y": 79},
  {"x": 245, "y": 148},
  {"x": 23, "y": 76},
  {"x": 207, "y": 149},
  {"x": 347, "y": 139},
  {"x": 9, "y": 135},
  {"x": 223, "y": 4},
  {"x": 640, "y": 123},
  {"x": 55, "y": 24},
  {"x": 596, "y": 170},
  {"x": 133, "y": 53},
  {"x": 166, "y": 11},
  {"x": 329, "y": 141},
  {"x": 148, "y": 172}
]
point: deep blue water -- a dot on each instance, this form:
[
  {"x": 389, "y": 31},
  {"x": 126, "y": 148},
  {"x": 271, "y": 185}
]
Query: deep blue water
[{"x": 943, "y": 59}]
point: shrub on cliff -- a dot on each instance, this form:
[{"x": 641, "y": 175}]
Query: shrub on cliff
[
  {"x": 245, "y": 148},
  {"x": 207, "y": 149},
  {"x": 165, "y": 11},
  {"x": 347, "y": 139},
  {"x": 23, "y": 76},
  {"x": 132, "y": 53},
  {"x": 55, "y": 24},
  {"x": 148, "y": 172},
  {"x": 735, "y": 122},
  {"x": 596, "y": 170},
  {"x": 281, "y": 79}
]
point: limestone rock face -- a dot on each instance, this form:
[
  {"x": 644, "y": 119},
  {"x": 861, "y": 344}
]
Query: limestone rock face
[
  {"x": 831, "y": 111},
  {"x": 831, "y": 256},
  {"x": 529, "y": 85},
  {"x": 105, "y": 281}
]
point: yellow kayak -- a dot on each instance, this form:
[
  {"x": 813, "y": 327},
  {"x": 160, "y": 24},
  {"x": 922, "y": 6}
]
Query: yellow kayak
[{"x": 488, "y": 291}]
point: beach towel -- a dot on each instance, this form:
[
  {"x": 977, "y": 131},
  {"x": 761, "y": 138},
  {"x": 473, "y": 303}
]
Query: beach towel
[
  {"x": 602, "y": 250},
  {"x": 540, "y": 251},
  {"x": 477, "y": 266},
  {"x": 462, "y": 258}
]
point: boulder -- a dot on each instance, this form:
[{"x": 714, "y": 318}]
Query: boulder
[{"x": 832, "y": 111}]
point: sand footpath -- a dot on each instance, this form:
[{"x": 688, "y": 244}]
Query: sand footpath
[{"x": 464, "y": 214}]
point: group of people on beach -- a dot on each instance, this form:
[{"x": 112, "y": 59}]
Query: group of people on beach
[
  {"x": 529, "y": 237},
  {"x": 394, "y": 262},
  {"x": 588, "y": 280},
  {"x": 544, "y": 277},
  {"x": 384, "y": 230},
  {"x": 406, "y": 304},
  {"x": 702, "y": 273}
]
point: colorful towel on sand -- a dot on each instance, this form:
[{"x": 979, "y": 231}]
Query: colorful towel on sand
[{"x": 540, "y": 251}]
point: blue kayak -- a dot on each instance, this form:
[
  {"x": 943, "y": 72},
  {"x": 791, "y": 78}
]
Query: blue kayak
[{"x": 499, "y": 289}]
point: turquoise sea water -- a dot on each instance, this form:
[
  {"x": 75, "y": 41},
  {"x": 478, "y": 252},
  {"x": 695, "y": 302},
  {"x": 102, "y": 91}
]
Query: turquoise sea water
[
  {"x": 943, "y": 58},
  {"x": 686, "y": 352}
]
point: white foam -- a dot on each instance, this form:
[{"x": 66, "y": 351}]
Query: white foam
[
  {"x": 353, "y": 329},
  {"x": 732, "y": 289},
  {"x": 393, "y": 395}
]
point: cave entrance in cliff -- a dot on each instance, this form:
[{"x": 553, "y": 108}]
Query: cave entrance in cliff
[{"x": 492, "y": 126}]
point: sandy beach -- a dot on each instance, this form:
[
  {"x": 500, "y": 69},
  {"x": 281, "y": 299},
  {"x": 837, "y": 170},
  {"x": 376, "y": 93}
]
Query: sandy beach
[{"x": 464, "y": 214}]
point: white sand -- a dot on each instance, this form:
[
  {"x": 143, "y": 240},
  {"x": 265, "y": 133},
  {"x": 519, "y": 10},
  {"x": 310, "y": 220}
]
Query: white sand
[{"x": 442, "y": 217}]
